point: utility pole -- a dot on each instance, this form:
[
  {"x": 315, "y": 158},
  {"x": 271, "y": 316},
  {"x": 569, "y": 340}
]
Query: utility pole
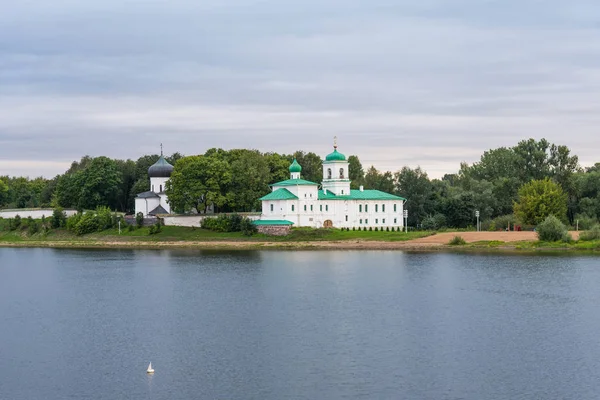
[
  {"x": 477, "y": 215},
  {"x": 406, "y": 221}
]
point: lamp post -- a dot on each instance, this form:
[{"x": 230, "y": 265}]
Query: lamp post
[
  {"x": 477, "y": 215},
  {"x": 405, "y": 220}
]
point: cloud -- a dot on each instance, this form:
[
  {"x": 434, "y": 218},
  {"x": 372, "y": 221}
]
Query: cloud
[{"x": 428, "y": 83}]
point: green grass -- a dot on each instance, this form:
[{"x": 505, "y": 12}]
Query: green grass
[{"x": 179, "y": 233}]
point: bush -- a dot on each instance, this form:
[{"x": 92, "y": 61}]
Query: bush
[
  {"x": 434, "y": 222},
  {"x": 376, "y": 229},
  {"x": 59, "y": 218},
  {"x": 32, "y": 226},
  {"x": 585, "y": 222},
  {"x": 370, "y": 228},
  {"x": 88, "y": 223},
  {"x": 130, "y": 228},
  {"x": 591, "y": 234},
  {"x": 104, "y": 218},
  {"x": 457, "y": 241},
  {"x": 551, "y": 229},
  {"x": 247, "y": 227},
  {"x": 502, "y": 222},
  {"x": 353, "y": 228},
  {"x": 72, "y": 221},
  {"x": 229, "y": 223},
  {"x": 139, "y": 219},
  {"x": 17, "y": 222},
  {"x": 387, "y": 229},
  {"x": 154, "y": 229}
]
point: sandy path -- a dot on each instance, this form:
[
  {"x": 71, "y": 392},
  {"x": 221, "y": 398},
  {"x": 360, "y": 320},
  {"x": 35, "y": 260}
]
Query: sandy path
[{"x": 444, "y": 238}]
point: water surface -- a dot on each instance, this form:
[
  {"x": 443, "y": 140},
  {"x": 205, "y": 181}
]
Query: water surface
[{"x": 84, "y": 324}]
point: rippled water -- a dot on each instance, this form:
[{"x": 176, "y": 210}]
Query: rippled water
[{"x": 297, "y": 325}]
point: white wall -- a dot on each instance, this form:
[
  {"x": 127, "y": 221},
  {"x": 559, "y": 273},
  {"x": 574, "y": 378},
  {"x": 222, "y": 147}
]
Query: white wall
[
  {"x": 195, "y": 220},
  {"x": 35, "y": 214},
  {"x": 157, "y": 182},
  {"x": 146, "y": 205}
]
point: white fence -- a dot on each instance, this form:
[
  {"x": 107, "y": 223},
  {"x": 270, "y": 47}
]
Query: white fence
[
  {"x": 35, "y": 214},
  {"x": 196, "y": 220}
]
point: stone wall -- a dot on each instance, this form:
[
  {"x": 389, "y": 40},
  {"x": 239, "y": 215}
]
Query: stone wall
[
  {"x": 148, "y": 221},
  {"x": 196, "y": 219},
  {"x": 274, "y": 230},
  {"x": 35, "y": 214}
]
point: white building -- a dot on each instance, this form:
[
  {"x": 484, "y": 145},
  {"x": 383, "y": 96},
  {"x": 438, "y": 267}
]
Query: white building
[
  {"x": 334, "y": 204},
  {"x": 155, "y": 201}
]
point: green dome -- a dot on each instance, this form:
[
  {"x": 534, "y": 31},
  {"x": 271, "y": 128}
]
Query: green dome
[
  {"x": 335, "y": 156},
  {"x": 295, "y": 167}
]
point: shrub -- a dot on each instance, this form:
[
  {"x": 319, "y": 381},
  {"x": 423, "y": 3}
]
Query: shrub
[
  {"x": 17, "y": 222},
  {"x": 139, "y": 219},
  {"x": 130, "y": 228},
  {"x": 72, "y": 221},
  {"x": 387, "y": 229},
  {"x": 88, "y": 223},
  {"x": 591, "y": 234},
  {"x": 585, "y": 222},
  {"x": 104, "y": 218},
  {"x": 434, "y": 222},
  {"x": 376, "y": 229},
  {"x": 566, "y": 237},
  {"x": 154, "y": 229},
  {"x": 457, "y": 241},
  {"x": 247, "y": 227},
  {"x": 59, "y": 218},
  {"x": 551, "y": 229},
  {"x": 502, "y": 222},
  {"x": 32, "y": 226}
]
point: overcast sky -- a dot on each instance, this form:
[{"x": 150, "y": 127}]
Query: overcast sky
[{"x": 401, "y": 82}]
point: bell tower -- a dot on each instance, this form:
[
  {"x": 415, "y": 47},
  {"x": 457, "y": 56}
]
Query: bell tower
[{"x": 335, "y": 172}]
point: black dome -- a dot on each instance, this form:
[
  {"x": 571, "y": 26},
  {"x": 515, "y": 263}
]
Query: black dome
[{"x": 161, "y": 169}]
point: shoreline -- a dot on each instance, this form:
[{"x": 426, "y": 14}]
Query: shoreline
[{"x": 368, "y": 245}]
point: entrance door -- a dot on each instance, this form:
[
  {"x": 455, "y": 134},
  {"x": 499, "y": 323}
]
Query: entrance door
[{"x": 328, "y": 224}]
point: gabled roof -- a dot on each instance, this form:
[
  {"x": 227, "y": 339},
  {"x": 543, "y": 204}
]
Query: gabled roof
[
  {"x": 147, "y": 195},
  {"x": 272, "y": 222},
  {"x": 280, "y": 194},
  {"x": 294, "y": 182},
  {"x": 158, "y": 210},
  {"x": 358, "y": 195}
]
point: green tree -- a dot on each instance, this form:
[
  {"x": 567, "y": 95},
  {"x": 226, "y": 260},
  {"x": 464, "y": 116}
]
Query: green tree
[
  {"x": 311, "y": 163},
  {"x": 538, "y": 199},
  {"x": 249, "y": 180},
  {"x": 100, "y": 184},
  {"x": 3, "y": 193},
  {"x": 414, "y": 185},
  {"x": 356, "y": 172},
  {"x": 197, "y": 182},
  {"x": 379, "y": 181},
  {"x": 278, "y": 167}
]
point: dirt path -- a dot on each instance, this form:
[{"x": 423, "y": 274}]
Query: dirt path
[{"x": 444, "y": 238}]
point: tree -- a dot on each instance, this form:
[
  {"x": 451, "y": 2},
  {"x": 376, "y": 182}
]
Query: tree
[
  {"x": 278, "y": 166},
  {"x": 197, "y": 182},
  {"x": 414, "y": 184},
  {"x": 249, "y": 181},
  {"x": 355, "y": 172},
  {"x": 312, "y": 166},
  {"x": 378, "y": 181},
  {"x": 538, "y": 199},
  {"x": 3, "y": 193},
  {"x": 100, "y": 184}
]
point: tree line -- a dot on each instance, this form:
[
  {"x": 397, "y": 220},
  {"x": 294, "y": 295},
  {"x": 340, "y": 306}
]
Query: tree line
[{"x": 507, "y": 184}]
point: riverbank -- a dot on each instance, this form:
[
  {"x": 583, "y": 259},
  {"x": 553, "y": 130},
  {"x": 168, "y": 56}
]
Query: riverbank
[{"x": 301, "y": 239}]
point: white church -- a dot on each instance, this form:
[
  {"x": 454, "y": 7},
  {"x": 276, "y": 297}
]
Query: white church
[
  {"x": 155, "y": 201},
  {"x": 302, "y": 203}
]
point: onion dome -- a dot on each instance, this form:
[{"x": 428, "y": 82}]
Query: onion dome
[
  {"x": 160, "y": 169},
  {"x": 295, "y": 167},
  {"x": 335, "y": 156}
]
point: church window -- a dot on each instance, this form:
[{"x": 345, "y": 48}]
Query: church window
[
  {"x": 342, "y": 191},
  {"x": 271, "y": 207},
  {"x": 305, "y": 207},
  {"x": 304, "y": 195},
  {"x": 346, "y": 218},
  {"x": 311, "y": 195},
  {"x": 367, "y": 221},
  {"x": 292, "y": 207},
  {"x": 360, "y": 221},
  {"x": 366, "y": 208},
  {"x": 311, "y": 207},
  {"x": 394, "y": 207},
  {"x": 376, "y": 207},
  {"x": 383, "y": 208},
  {"x": 383, "y": 221},
  {"x": 341, "y": 173},
  {"x": 395, "y": 220},
  {"x": 326, "y": 207},
  {"x": 161, "y": 188},
  {"x": 328, "y": 173},
  {"x": 360, "y": 208},
  {"x": 321, "y": 208},
  {"x": 376, "y": 221}
]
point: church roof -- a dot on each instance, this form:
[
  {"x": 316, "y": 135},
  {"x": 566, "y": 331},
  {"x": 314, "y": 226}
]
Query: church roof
[
  {"x": 359, "y": 195},
  {"x": 335, "y": 156},
  {"x": 147, "y": 195},
  {"x": 295, "y": 167},
  {"x": 280, "y": 194},
  {"x": 294, "y": 182},
  {"x": 158, "y": 210},
  {"x": 160, "y": 169}
]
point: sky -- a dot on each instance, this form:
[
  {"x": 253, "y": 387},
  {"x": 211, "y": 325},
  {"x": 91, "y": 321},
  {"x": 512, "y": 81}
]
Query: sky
[{"x": 425, "y": 83}]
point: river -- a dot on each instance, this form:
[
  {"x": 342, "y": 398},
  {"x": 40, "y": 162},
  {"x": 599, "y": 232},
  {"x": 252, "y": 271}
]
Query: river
[{"x": 84, "y": 324}]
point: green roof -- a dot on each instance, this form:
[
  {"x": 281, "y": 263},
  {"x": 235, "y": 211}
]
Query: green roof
[
  {"x": 280, "y": 194},
  {"x": 295, "y": 167},
  {"x": 272, "y": 222},
  {"x": 335, "y": 156},
  {"x": 293, "y": 182},
  {"x": 358, "y": 195}
]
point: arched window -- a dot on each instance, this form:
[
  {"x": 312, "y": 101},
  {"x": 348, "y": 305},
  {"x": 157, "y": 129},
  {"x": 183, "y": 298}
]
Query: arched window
[
  {"x": 328, "y": 173},
  {"x": 160, "y": 188},
  {"x": 341, "y": 173},
  {"x": 271, "y": 207}
]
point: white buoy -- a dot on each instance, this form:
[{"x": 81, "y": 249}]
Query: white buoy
[{"x": 150, "y": 370}]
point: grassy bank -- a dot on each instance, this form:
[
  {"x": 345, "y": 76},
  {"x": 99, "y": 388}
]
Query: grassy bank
[
  {"x": 186, "y": 236},
  {"x": 592, "y": 245}
]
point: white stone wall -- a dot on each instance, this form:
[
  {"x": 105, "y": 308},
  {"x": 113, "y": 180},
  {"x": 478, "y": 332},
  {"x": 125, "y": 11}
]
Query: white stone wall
[
  {"x": 146, "y": 205},
  {"x": 164, "y": 203},
  {"x": 195, "y": 220},
  {"x": 35, "y": 214}
]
